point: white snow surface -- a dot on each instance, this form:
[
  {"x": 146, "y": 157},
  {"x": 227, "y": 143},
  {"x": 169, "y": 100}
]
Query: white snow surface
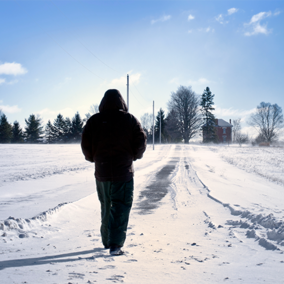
[{"x": 201, "y": 214}]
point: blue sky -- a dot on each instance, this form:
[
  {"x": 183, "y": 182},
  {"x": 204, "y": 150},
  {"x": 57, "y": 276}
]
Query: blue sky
[{"x": 61, "y": 56}]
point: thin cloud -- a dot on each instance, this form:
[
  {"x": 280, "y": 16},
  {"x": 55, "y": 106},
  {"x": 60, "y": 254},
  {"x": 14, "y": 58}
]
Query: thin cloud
[
  {"x": 250, "y": 130},
  {"x": 260, "y": 16},
  {"x": 209, "y": 29},
  {"x": 206, "y": 30},
  {"x": 190, "y": 18},
  {"x": 4, "y": 81},
  {"x": 200, "y": 81},
  {"x": 277, "y": 13},
  {"x": 174, "y": 81},
  {"x": 12, "y": 69},
  {"x": 9, "y": 109},
  {"x": 220, "y": 19},
  {"x": 189, "y": 31},
  {"x": 232, "y": 112},
  {"x": 162, "y": 19},
  {"x": 63, "y": 83},
  {"x": 48, "y": 114},
  {"x": 64, "y": 112},
  {"x": 232, "y": 11},
  {"x": 255, "y": 27},
  {"x": 134, "y": 78},
  {"x": 12, "y": 82}
]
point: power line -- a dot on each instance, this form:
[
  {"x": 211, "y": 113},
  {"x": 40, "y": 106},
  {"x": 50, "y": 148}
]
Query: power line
[
  {"x": 96, "y": 55},
  {"x": 73, "y": 57},
  {"x": 91, "y": 54},
  {"x": 81, "y": 42}
]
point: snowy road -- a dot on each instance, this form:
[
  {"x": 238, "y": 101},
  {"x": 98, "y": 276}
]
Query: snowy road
[{"x": 195, "y": 219}]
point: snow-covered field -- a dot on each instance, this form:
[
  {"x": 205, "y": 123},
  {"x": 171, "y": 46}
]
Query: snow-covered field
[{"x": 200, "y": 215}]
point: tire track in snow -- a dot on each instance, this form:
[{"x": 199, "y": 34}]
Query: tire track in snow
[{"x": 151, "y": 196}]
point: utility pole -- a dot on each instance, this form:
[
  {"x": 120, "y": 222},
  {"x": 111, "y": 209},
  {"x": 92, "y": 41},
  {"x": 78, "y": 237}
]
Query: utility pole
[
  {"x": 128, "y": 92},
  {"x": 153, "y": 126},
  {"x": 160, "y": 126}
]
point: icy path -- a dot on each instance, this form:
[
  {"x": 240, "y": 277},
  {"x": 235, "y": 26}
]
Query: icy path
[{"x": 184, "y": 238}]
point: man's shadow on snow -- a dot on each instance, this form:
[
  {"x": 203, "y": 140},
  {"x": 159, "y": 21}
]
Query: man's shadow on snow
[{"x": 66, "y": 257}]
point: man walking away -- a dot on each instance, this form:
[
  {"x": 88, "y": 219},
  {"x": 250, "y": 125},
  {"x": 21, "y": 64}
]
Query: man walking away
[{"x": 113, "y": 139}]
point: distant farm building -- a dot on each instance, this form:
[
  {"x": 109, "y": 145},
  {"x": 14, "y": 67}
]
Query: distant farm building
[{"x": 223, "y": 131}]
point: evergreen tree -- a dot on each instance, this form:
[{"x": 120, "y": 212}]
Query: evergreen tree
[
  {"x": 161, "y": 114},
  {"x": 68, "y": 129},
  {"x": 77, "y": 127},
  {"x": 59, "y": 125},
  {"x": 33, "y": 129},
  {"x": 208, "y": 128},
  {"x": 50, "y": 133},
  {"x": 5, "y": 130},
  {"x": 17, "y": 133}
]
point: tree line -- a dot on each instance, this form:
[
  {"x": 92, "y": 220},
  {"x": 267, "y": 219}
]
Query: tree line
[
  {"x": 188, "y": 115},
  {"x": 62, "y": 130}
]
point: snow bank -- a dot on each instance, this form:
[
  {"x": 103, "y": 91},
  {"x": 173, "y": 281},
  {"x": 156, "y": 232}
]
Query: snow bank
[{"x": 22, "y": 228}]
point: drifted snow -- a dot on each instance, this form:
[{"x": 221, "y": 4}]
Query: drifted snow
[{"x": 213, "y": 220}]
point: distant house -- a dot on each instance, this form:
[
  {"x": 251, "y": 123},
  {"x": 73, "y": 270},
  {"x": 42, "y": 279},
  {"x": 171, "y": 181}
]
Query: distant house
[{"x": 223, "y": 130}]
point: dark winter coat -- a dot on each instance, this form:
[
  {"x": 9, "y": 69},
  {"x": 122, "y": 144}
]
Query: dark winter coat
[{"x": 113, "y": 139}]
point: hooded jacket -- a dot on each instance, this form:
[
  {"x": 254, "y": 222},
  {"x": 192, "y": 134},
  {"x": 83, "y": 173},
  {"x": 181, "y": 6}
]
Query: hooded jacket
[{"x": 113, "y": 139}]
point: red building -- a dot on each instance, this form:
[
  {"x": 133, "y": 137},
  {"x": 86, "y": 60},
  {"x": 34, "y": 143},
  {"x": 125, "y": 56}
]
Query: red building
[{"x": 223, "y": 130}]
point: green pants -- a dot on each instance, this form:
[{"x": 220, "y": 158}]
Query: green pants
[{"x": 116, "y": 201}]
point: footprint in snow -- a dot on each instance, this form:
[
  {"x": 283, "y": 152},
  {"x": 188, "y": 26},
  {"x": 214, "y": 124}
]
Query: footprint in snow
[
  {"x": 131, "y": 260},
  {"x": 115, "y": 278},
  {"x": 108, "y": 259},
  {"x": 76, "y": 275},
  {"x": 107, "y": 267}
]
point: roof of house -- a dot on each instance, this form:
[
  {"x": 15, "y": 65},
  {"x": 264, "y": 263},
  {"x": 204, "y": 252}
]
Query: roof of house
[{"x": 224, "y": 123}]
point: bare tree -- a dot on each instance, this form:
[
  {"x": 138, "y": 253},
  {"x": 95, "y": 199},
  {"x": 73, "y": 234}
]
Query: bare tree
[
  {"x": 174, "y": 135},
  {"x": 185, "y": 104},
  {"x": 94, "y": 108},
  {"x": 147, "y": 124},
  {"x": 242, "y": 138},
  {"x": 147, "y": 120},
  {"x": 236, "y": 129},
  {"x": 239, "y": 137},
  {"x": 268, "y": 120}
]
